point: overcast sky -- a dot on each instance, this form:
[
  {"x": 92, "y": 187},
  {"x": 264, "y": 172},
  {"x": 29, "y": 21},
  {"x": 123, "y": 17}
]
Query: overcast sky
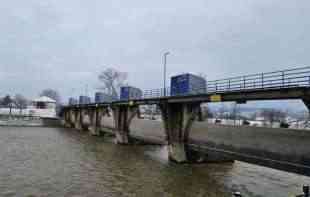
[{"x": 64, "y": 44}]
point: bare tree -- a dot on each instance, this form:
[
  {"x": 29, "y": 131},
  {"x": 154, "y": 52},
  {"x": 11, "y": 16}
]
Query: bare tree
[
  {"x": 222, "y": 111},
  {"x": 53, "y": 94},
  {"x": 254, "y": 116},
  {"x": 149, "y": 110},
  {"x": 21, "y": 102},
  {"x": 6, "y": 100},
  {"x": 112, "y": 80},
  {"x": 235, "y": 112},
  {"x": 273, "y": 115},
  {"x": 302, "y": 117},
  {"x": 206, "y": 112}
]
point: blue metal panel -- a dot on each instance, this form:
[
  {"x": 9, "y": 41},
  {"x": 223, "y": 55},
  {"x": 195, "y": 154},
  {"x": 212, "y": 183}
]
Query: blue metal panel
[
  {"x": 187, "y": 84},
  {"x": 179, "y": 84},
  {"x": 73, "y": 101},
  {"x": 130, "y": 93},
  {"x": 99, "y": 97},
  {"x": 124, "y": 93},
  {"x": 84, "y": 100}
]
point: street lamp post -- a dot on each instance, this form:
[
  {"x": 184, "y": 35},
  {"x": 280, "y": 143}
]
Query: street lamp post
[{"x": 165, "y": 70}]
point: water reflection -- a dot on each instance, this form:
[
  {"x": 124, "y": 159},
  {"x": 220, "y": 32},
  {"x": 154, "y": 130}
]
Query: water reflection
[{"x": 63, "y": 162}]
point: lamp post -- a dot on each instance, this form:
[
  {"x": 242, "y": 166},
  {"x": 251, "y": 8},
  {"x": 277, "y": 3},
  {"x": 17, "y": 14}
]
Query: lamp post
[{"x": 165, "y": 70}]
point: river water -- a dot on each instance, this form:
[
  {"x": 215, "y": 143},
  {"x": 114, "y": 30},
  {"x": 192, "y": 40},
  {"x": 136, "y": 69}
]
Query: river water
[{"x": 59, "y": 162}]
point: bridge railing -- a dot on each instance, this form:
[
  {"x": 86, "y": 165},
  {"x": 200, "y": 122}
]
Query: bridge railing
[
  {"x": 156, "y": 93},
  {"x": 298, "y": 77}
]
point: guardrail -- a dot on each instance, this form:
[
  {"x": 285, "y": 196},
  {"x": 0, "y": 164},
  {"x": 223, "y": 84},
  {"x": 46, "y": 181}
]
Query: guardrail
[
  {"x": 156, "y": 93},
  {"x": 298, "y": 77},
  {"x": 289, "y": 78}
]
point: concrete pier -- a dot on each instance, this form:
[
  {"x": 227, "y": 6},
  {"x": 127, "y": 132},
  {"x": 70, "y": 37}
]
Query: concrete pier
[
  {"x": 180, "y": 112},
  {"x": 178, "y": 119},
  {"x": 123, "y": 116},
  {"x": 78, "y": 118},
  {"x": 285, "y": 149}
]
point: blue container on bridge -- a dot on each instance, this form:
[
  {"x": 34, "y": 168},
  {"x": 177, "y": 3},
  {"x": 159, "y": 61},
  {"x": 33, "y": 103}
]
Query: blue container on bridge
[
  {"x": 101, "y": 97},
  {"x": 72, "y": 101},
  {"x": 84, "y": 100},
  {"x": 187, "y": 84},
  {"x": 128, "y": 93}
]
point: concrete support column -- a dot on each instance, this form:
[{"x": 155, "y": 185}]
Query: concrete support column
[
  {"x": 178, "y": 119},
  {"x": 72, "y": 117},
  {"x": 307, "y": 103},
  {"x": 200, "y": 115},
  {"x": 67, "y": 118},
  {"x": 94, "y": 127},
  {"x": 77, "y": 122},
  {"x": 85, "y": 119},
  {"x": 123, "y": 115},
  {"x": 102, "y": 112}
]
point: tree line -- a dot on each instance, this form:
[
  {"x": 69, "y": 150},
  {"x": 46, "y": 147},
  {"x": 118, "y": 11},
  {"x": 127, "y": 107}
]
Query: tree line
[{"x": 21, "y": 102}]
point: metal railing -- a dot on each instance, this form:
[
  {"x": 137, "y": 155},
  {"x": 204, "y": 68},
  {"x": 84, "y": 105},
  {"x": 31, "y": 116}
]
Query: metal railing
[
  {"x": 298, "y": 77},
  {"x": 156, "y": 93}
]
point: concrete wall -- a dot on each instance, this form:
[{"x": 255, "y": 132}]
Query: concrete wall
[
  {"x": 276, "y": 144},
  {"x": 148, "y": 128},
  {"x": 273, "y": 143},
  {"x": 108, "y": 121}
]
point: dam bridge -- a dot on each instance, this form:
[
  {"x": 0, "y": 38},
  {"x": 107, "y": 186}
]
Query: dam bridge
[{"x": 285, "y": 149}]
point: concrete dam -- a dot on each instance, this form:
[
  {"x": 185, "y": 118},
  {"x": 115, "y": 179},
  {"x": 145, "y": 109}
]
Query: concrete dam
[{"x": 280, "y": 148}]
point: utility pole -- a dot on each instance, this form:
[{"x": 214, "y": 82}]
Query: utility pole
[
  {"x": 86, "y": 90},
  {"x": 165, "y": 70}
]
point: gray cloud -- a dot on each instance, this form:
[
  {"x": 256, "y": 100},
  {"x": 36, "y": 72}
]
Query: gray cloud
[{"x": 63, "y": 44}]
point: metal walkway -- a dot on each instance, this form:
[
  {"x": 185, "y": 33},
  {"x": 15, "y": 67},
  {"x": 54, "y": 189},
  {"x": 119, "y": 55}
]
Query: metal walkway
[
  {"x": 298, "y": 77},
  {"x": 284, "y": 84}
]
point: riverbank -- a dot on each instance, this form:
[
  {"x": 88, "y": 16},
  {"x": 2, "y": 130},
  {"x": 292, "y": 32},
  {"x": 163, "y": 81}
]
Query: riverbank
[{"x": 29, "y": 121}]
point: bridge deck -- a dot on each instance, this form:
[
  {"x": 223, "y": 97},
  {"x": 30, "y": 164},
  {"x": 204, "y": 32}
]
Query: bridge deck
[
  {"x": 238, "y": 96},
  {"x": 285, "y": 84}
]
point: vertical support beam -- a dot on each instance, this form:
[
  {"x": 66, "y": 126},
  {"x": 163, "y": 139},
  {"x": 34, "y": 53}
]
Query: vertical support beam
[
  {"x": 178, "y": 119},
  {"x": 97, "y": 119},
  {"x": 200, "y": 114},
  {"x": 307, "y": 103},
  {"x": 77, "y": 123},
  {"x": 85, "y": 119},
  {"x": 92, "y": 121},
  {"x": 67, "y": 118},
  {"x": 94, "y": 114},
  {"x": 100, "y": 116},
  {"x": 123, "y": 115},
  {"x": 72, "y": 117}
]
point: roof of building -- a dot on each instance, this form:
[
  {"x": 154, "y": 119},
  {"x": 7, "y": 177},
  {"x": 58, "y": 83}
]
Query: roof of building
[{"x": 44, "y": 99}]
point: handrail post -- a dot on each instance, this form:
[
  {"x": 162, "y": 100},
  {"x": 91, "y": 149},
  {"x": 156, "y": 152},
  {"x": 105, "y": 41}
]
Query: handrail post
[
  {"x": 229, "y": 84},
  {"x": 305, "y": 189},
  {"x": 262, "y": 80},
  {"x": 283, "y": 81},
  {"x": 244, "y": 82}
]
